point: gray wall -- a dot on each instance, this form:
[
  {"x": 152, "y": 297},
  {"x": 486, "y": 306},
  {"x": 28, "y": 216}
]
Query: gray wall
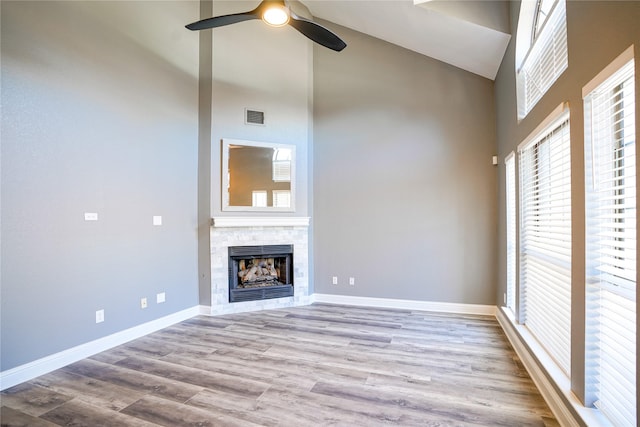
[
  {"x": 99, "y": 114},
  {"x": 597, "y": 32},
  {"x": 404, "y": 188},
  {"x": 265, "y": 69}
]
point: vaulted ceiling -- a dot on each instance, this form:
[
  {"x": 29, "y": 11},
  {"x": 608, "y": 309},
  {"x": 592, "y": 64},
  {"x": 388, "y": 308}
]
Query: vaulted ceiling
[{"x": 472, "y": 34}]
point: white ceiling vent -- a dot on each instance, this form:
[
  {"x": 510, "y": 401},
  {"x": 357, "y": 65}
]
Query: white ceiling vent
[{"x": 253, "y": 117}]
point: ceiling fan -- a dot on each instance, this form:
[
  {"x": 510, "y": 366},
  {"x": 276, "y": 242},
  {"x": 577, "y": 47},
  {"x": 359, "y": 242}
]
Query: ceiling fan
[{"x": 277, "y": 14}]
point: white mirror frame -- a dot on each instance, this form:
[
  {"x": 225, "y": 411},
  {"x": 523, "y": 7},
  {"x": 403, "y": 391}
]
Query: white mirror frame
[{"x": 226, "y": 142}]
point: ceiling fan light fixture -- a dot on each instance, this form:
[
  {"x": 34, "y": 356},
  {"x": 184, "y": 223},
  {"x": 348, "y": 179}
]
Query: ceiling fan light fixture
[{"x": 276, "y": 15}]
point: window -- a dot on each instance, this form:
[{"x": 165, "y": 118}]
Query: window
[
  {"x": 610, "y": 165},
  {"x": 545, "y": 237},
  {"x": 281, "y": 165},
  {"x": 542, "y": 13},
  {"x": 510, "y": 166},
  {"x": 259, "y": 199},
  {"x": 281, "y": 198},
  {"x": 541, "y": 50}
]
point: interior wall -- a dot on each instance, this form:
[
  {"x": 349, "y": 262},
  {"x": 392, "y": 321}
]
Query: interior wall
[
  {"x": 404, "y": 186},
  {"x": 265, "y": 69},
  {"x": 597, "y": 32},
  {"x": 99, "y": 115}
]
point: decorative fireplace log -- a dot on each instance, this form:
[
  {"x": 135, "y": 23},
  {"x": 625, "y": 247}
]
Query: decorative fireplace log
[{"x": 259, "y": 270}]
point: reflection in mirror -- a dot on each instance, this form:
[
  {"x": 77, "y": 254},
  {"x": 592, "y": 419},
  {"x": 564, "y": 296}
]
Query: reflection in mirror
[{"x": 257, "y": 176}]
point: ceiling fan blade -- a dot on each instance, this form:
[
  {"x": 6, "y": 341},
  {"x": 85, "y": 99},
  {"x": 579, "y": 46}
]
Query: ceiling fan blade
[
  {"x": 317, "y": 33},
  {"x": 220, "y": 21}
]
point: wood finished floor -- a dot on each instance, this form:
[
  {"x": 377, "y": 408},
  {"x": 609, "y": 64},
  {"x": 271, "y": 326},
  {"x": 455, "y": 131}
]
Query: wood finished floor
[{"x": 319, "y": 365}]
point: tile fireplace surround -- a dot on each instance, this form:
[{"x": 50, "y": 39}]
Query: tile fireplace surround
[{"x": 252, "y": 231}]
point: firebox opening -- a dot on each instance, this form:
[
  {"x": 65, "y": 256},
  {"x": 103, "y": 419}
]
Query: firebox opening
[{"x": 260, "y": 272}]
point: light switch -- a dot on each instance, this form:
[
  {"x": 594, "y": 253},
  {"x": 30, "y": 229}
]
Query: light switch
[{"x": 157, "y": 220}]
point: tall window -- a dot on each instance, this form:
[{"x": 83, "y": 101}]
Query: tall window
[
  {"x": 610, "y": 150},
  {"x": 510, "y": 166},
  {"x": 541, "y": 50},
  {"x": 545, "y": 238}
]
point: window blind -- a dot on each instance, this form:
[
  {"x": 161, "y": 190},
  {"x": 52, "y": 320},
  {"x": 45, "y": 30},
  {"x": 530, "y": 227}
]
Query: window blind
[
  {"x": 282, "y": 170},
  {"x": 281, "y": 198},
  {"x": 510, "y": 167},
  {"x": 545, "y": 239},
  {"x": 547, "y": 57},
  {"x": 611, "y": 246},
  {"x": 259, "y": 199}
]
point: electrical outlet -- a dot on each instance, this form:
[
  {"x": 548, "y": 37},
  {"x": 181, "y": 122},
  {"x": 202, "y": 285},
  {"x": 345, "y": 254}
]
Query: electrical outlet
[
  {"x": 334, "y": 280},
  {"x": 352, "y": 281},
  {"x": 99, "y": 316},
  {"x": 90, "y": 216},
  {"x": 160, "y": 298},
  {"x": 143, "y": 303}
]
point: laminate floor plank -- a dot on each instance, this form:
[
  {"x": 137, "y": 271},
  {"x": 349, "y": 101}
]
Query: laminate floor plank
[
  {"x": 89, "y": 390},
  {"x": 80, "y": 414},
  {"x": 318, "y": 365},
  {"x": 194, "y": 376},
  {"x": 32, "y": 399},
  {"x": 170, "y": 414},
  {"x": 14, "y": 418},
  {"x": 134, "y": 380}
]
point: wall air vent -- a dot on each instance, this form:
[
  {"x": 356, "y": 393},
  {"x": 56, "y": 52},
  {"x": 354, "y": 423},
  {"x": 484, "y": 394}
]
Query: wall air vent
[{"x": 253, "y": 117}]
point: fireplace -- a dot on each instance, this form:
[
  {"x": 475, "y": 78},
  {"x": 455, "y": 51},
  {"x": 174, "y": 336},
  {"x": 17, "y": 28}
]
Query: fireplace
[{"x": 260, "y": 272}]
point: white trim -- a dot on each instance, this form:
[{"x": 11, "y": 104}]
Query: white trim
[
  {"x": 445, "y": 307},
  {"x": 50, "y": 363},
  {"x": 609, "y": 70},
  {"x": 522, "y": 341},
  {"x": 204, "y": 310},
  {"x": 541, "y": 129},
  {"x": 255, "y": 221}
]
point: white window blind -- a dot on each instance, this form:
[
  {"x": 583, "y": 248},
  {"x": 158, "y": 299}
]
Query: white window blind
[
  {"x": 611, "y": 246},
  {"x": 282, "y": 170},
  {"x": 282, "y": 164},
  {"x": 546, "y": 59},
  {"x": 510, "y": 166},
  {"x": 281, "y": 198},
  {"x": 545, "y": 239},
  {"x": 259, "y": 199}
]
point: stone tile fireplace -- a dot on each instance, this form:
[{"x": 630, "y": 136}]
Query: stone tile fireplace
[{"x": 252, "y": 232}]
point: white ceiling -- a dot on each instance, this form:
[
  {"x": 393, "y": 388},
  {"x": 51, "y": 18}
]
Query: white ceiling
[{"x": 472, "y": 34}]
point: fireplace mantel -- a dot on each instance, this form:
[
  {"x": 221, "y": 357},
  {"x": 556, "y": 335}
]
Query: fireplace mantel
[{"x": 256, "y": 221}]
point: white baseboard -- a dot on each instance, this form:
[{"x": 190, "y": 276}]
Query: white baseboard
[
  {"x": 204, "y": 310},
  {"x": 47, "y": 364},
  {"x": 443, "y": 307}
]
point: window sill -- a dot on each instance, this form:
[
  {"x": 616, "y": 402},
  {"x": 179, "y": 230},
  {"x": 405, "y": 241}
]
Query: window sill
[{"x": 552, "y": 382}]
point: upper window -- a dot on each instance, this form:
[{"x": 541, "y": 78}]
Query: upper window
[
  {"x": 281, "y": 164},
  {"x": 543, "y": 10},
  {"x": 541, "y": 50},
  {"x": 610, "y": 166}
]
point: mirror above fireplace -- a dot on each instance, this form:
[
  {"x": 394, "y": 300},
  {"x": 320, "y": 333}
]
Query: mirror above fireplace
[{"x": 258, "y": 176}]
